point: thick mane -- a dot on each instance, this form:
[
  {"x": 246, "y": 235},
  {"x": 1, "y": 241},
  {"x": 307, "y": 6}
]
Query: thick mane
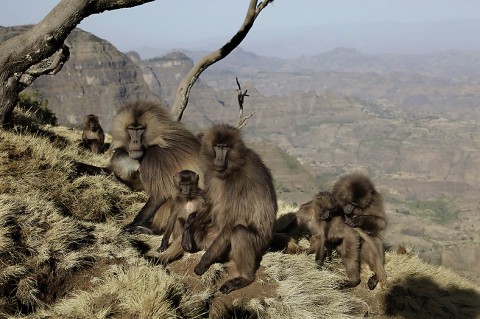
[
  {"x": 354, "y": 187},
  {"x": 160, "y": 128},
  {"x": 170, "y": 146}
]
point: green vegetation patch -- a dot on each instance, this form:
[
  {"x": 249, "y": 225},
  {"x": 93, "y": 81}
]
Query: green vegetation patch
[
  {"x": 291, "y": 162},
  {"x": 438, "y": 210},
  {"x": 32, "y": 102}
]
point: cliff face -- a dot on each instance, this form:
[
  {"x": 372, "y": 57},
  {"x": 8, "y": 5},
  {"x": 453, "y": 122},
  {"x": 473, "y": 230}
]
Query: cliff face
[
  {"x": 96, "y": 79},
  {"x": 424, "y": 160},
  {"x": 149, "y": 76},
  {"x": 204, "y": 106},
  {"x": 423, "y": 164},
  {"x": 170, "y": 70}
]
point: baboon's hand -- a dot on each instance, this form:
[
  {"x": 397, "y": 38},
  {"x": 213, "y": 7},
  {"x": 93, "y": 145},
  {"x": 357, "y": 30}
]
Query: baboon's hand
[
  {"x": 190, "y": 220},
  {"x": 163, "y": 246},
  {"x": 351, "y": 222},
  {"x": 187, "y": 242},
  {"x": 229, "y": 286},
  {"x": 137, "y": 229},
  {"x": 372, "y": 282},
  {"x": 200, "y": 269},
  {"x": 226, "y": 288}
]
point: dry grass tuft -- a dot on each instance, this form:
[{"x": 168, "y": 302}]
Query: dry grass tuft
[
  {"x": 306, "y": 291},
  {"x": 97, "y": 199},
  {"x": 418, "y": 289},
  {"x": 33, "y": 164},
  {"x": 63, "y": 255},
  {"x": 40, "y": 252},
  {"x": 132, "y": 291}
]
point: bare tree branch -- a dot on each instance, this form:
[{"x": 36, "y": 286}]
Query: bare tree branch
[
  {"x": 183, "y": 90},
  {"x": 242, "y": 121},
  {"x": 51, "y": 65},
  {"x": 22, "y": 58},
  {"x": 20, "y": 53}
]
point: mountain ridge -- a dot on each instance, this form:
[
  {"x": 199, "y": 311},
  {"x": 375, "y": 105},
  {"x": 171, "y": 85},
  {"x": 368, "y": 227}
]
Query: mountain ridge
[{"x": 417, "y": 136}]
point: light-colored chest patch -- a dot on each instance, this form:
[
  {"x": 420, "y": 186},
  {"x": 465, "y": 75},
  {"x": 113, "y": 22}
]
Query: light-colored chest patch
[{"x": 189, "y": 207}]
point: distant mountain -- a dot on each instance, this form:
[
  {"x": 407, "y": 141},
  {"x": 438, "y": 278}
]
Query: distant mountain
[
  {"x": 437, "y": 84},
  {"x": 375, "y": 37},
  {"x": 96, "y": 79},
  {"x": 241, "y": 61},
  {"x": 409, "y": 121},
  {"x": 439, "y": 64}
]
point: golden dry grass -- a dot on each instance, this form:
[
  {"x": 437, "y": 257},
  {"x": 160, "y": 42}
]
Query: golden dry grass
[{"x": 63, "y": 255}]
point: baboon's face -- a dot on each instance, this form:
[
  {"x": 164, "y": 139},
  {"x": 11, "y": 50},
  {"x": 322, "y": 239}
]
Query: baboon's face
[
  {"x": 136, "y": 148},
  {"x": 186, "y": 183},
  {"x": 364, "y": 198},
  {"x": 91, "y": 122},
  {"x": 220, "y": 162},
  {"x": 346, "y": 199},
  {"x": 223, "y": 150}
]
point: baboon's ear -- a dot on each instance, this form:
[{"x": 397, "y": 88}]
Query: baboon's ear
[
  {"x": 323, "y": 215},
  {"x": 176, "y": 179}
]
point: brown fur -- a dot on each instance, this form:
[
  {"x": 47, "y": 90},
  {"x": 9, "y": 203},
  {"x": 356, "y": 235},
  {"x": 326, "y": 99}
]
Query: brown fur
[
  {"x": 240, "y": 223},
  {"x": 199, "y": 231},
  {"x": 125, "y": 169},
  {"x": 161, "y": 216},
  {"x": 362, "y": 204},
  {"x": 287, "y": 233},
  {"x": 325, "y": 220},
  {"x": 189, "y": 200},
  {"x": 165, "y": 146},
  {"x": 93, "y": 137}
]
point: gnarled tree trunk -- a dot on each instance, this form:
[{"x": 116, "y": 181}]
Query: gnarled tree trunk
[
  {"x": 41, "y": 50},
  {"x": 29, "y": 55}
]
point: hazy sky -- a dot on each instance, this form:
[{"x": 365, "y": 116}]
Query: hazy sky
[{"x": 285, "y": 27}]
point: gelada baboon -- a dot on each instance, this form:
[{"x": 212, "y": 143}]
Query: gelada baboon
[
  {"x": 244, "y": 206},
  {"x": 362, "y": 204},
  {"x": 189, "y": 200},
  {"x": 145, "y": 133},
  {"x": 326, "y": 221},
  {"x": 93, "y": 137}
]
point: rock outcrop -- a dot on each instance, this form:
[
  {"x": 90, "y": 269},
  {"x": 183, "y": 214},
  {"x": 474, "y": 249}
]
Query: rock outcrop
[{"x": 96, "y": 79}]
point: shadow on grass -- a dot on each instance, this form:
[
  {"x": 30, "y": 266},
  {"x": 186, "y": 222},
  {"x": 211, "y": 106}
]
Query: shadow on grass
[{"x": 418, "y": 298}]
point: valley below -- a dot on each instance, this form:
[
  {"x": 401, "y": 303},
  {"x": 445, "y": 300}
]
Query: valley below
[{"x": 411, "y": 122}]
